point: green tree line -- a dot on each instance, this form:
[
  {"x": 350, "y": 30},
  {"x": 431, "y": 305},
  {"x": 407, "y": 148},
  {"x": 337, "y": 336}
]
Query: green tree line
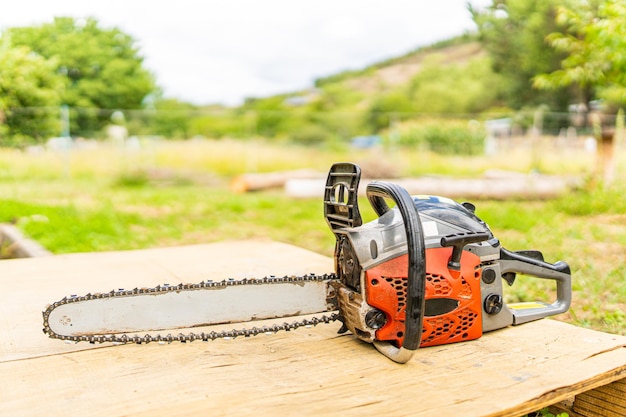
[{"x": 531, "y": 54}]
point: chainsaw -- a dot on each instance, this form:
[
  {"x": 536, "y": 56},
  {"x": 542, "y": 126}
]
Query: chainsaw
[{"x": 428, "y": 271}]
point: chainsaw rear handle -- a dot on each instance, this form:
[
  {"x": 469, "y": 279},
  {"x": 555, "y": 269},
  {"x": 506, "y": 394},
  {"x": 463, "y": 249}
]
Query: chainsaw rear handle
[
  {"x": 519, "y": 262},
  {"x": 377, "y": 191}
]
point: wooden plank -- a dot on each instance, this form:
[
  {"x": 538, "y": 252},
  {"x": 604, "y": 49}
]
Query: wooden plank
[
  {"x": 590, "y": 407},
  {"x": 608, "y": 393},
  {"x": 13, "y": 244},
  {"x": 262, "y": 181},
  {"x": 605, "y": 401},
  {"x": 498, "y": 187},
  {"x": 309, "y": 371}
]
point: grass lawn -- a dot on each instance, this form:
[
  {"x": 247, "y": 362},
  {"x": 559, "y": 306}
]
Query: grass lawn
[{"x": 170, "y": 194}]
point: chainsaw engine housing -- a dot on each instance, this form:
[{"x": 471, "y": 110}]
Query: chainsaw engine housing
[
  {"x": 371, "y": 260},
  {"x": 465, "y": 269}
]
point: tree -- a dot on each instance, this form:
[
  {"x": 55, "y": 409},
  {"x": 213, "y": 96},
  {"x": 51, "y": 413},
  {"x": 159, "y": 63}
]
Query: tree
[
  {"x": 595, "y": 48},
  {"x": 388, "y": 108},
  {"x": 595, "y": 45},
  {"x": 513, "y": 32},
  {"x": 172, "y": 118},
  {"x": 29, "y": 87},
  {"x": 102, "y": 68},
  {"x": 271, "y": 114}
]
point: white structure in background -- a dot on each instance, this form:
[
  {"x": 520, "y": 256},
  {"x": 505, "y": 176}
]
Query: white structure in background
[
  {"x": 496, "y": 128},
  {"x": 117, "y": 132}
]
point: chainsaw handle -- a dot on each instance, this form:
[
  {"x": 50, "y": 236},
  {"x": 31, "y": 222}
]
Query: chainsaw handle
[
  {"x": 377, "y": 191},
  {"x": 518, "y": 262}
]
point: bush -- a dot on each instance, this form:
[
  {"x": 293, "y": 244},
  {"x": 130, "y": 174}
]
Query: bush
[
  {"x": 455, "y": 140},
  {"x": 310, "y": 134},
  {"x": 443, "y": 137}
]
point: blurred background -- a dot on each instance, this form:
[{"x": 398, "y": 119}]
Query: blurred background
[{"x": 129, "y": 125}]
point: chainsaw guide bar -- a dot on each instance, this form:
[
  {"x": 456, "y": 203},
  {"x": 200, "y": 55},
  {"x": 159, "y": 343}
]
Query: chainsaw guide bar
[{"x": 58, "y": 325}]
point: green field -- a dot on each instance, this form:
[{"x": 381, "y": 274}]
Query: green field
[{"x": 176, "y": 193}]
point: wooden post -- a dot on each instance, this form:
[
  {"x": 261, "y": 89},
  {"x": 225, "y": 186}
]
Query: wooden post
[
  {"x": 606, "y": 156},
  {"x": 605, "y": 160}
]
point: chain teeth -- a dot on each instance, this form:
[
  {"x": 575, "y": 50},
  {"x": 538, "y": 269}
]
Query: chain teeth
[{"x": 192, "y": 336}]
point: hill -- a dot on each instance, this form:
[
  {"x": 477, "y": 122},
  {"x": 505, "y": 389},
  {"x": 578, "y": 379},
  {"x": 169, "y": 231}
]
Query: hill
[
  {"x": 383, "y": 76},
  {"x": 398, "y": 71},
  {"x": 451, "y": 78}
]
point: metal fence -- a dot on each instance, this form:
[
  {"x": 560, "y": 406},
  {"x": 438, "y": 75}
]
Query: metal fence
[{"x": 446, "y": 133}]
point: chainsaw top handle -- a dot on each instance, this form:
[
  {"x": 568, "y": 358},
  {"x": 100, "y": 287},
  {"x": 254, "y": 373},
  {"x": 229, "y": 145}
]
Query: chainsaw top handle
[{"x": 377, "y": 191}]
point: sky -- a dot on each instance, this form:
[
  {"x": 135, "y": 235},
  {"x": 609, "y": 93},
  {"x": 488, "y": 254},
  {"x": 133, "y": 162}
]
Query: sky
[{"x": 223, "y": 51}]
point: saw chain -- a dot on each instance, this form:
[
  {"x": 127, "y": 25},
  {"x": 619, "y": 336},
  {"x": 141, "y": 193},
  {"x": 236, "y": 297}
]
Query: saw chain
[{"x": 189, "y": 336}]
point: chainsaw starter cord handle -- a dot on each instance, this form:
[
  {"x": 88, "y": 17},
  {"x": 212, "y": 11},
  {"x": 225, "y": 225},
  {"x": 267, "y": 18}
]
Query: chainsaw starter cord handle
[{"x": 377, "y": 191}]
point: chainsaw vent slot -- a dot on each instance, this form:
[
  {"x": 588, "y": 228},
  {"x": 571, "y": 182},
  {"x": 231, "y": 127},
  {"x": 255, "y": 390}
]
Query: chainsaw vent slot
[
  {"x": 449, "y": 328},
  {"x": 441, "y": 326},
  {"x": 399, "y": 284},
  {"x": 439, "y": 284},
  {"x": 466, "y": 318}
]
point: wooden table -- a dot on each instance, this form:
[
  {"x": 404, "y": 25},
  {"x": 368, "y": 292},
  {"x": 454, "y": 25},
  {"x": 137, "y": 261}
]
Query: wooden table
[{"x": 310, "y": 371}]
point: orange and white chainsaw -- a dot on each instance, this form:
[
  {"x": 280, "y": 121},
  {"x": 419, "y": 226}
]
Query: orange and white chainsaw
[{"x": 426, "y": 272}]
